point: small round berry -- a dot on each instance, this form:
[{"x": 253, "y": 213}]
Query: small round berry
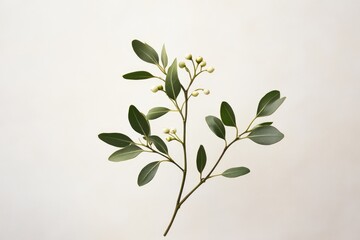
[
  {"x": 173, "y": 131},
  {"x": 188, "y": 57},
  {"x": 182, "y": 64},
  {"x": 210, "y": 70},
  {"x": 160, "y": 87},
  {"x": 169, "y": 139},
  {"x": 203, "y": 64},
  {"x": 206, "y": 91},
  {"x": 195, "y": 93},
  {"x": 166, "y": 130},
  {"x": 199, "y": 59},
  {"x": 155, "y": 89}
]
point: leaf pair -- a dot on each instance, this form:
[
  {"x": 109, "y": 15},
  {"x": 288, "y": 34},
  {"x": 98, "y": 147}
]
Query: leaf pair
[
  {"x": 227, "y": 118},
  {"x": 269, "y": 103},
  {"x": 147, "y": 54}
]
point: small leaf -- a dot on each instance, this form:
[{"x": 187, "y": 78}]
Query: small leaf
[
  {"x": 148, "y": 173},
  {"x": 269, "y": 103},
  {"x": 164, "y": 57},
  {"x": 266, "y": 135},
  {"x": 216, "y": 126},
  {"x": 156, "y": 112},
  {"x": 139, "y": 75},
  {"x": 138, "y": 121},
  {"x": 262, "y": 125},
  {"x": 201, "y": 159},
  {"x": 235, "y": 172},
  {"x": 127, "y": 153},
  {"x": 145, "y": 52},
  {"x": 172, "y": 83},
  {"x": 159, "y": 144},
  {"x": 227, "y": 115},
  {"x": 115, "y": 139}
]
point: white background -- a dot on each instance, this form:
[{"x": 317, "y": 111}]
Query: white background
[{"x": 61, "y": 64}]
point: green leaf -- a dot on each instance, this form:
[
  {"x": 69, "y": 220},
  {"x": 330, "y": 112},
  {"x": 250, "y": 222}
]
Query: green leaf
[
  {"x": 227, "y": 115},
  {"x": 115, "y": 139},
  {"x": 145, "y": 52},
  {"x": 201, "y": 159},
  {"x": 156, "y": 112},
  {"x": 159, "y": 144},
  {"x": 127, "y": 153},
  {"x": 235, "y": 172},
  {"x": 138, "y": 121},
  {"x": 139, "y": 75},
  {"x": 269, "y": 103},
  {"x": 266, "y": 135},
  {"x": 148, "y": 173},
  {"x": 172, "y": 83},
  {"x": 262, "y": 125},
  {"x": 216, "y": 126},
  {"x": 164, "y": 57}
]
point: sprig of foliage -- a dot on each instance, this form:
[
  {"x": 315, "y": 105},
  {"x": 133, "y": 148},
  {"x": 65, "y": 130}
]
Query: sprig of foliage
[{"x": 263, "y": 133}]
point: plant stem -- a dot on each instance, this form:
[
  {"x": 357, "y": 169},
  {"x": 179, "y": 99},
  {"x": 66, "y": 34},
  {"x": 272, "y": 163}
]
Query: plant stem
[{"x": 177, "y": 206}]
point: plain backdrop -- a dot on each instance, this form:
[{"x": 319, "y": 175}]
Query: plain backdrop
[{"x": 61, "y": 67}]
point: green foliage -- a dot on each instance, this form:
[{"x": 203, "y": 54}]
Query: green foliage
[
  {"x": 127, "y": 153},
  {"x": 266, "y": 135},
  {"x": 164, "y": 57},
  {"x": 159, "y": 144},
  {"x": 145, "y": 52},
  {"x": 172, "y": 83},
  {"x": 227, "y": 115},
  {"x": 201, "y": 159},
  {"x": 156, "y": 112},
  {"x": 115, "y": 139},
  {"x": 216, "y": 126},
  {"x": 235, "y": 172},
  {"x": 269, "y": 103},
  {"x": 263, "y": 133},
  {"x": 148, "y": 173},
  {"x": 138, "y": 121},
  {"x": 139, "y": 75}
]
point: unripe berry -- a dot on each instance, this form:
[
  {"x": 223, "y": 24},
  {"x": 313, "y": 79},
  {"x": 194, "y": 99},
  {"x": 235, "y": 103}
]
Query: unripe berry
[
  {"x": 166, "y": 130},
  {"x": 206, "y": 91},
  {"x": 169, "y": 139},
  {"x": 199, "y": 59},
  {"x": 155, "y": 89},
  {"x": 160, "y": 87},
  {"x": 173, "y": 131},
  {"x": 210, "y": 69},
  {"x": 203, "y": 64},
  {"x": 195, "y": 93},
  {"x": 188, "y": 57},
  {"x": 182, "y": 64}
]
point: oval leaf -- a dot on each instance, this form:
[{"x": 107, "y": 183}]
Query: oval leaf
[
  {"x": 139, "y": 75},
  {"x": 266, "y": 135},
  {"x": 269, "y": 103},
  {"x": 126, "y": 153},
  {"x": 216, "y": 126},
  {"x": 145, "y": 52},
  {"x": 201, "y": 159},
  {"x": 235, "y": 172},
  {"x": 115, "y": 139},
  {"x": 164, "y": 57},
  {"x": 148, "y": 173},
  {"x": 227, "y": 115},
  {"x": 159, "y": 144},
  {"x": 138, "y": 121},
  {"x": 172, "y": 83},
  {"x": 262, "y": 125},
  {"x": 156, "y": 112}
]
